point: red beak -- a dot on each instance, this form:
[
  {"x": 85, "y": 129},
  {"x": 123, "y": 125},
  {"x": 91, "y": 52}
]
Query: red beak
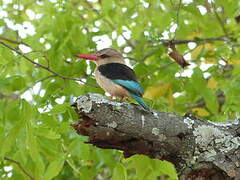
[{"x": 92, "y": 57}]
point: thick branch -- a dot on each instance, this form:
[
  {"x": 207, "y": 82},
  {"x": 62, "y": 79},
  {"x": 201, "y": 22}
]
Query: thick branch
[{"x": 195, "y": 146}]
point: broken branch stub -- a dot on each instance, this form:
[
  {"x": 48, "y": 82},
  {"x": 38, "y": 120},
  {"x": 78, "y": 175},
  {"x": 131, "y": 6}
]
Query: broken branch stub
[{"x": 196, "y": 147}]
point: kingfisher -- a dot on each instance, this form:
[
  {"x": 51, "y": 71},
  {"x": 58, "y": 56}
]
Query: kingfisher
[{"x": 114, "y": 76}]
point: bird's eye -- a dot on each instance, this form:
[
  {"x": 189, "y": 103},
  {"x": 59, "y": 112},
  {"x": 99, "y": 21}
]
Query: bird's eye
[{"x": 104, "y": 56}]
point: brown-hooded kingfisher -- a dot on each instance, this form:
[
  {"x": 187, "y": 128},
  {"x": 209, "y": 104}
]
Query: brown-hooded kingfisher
[{"x": 114, "y": 76}]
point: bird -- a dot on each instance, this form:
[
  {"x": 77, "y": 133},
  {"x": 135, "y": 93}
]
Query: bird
[{"x": 114, "y": 76}]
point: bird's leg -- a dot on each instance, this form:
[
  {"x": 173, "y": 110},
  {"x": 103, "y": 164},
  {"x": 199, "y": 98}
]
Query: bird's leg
[
  {"x": 122, "y": 99},
  {"x": 110, "y": 98}
]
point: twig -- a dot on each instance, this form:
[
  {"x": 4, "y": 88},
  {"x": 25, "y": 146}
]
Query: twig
[
  {"x": 162, "y": 67},
  {"x": 177, "y": 18},
  {"x": 199, "y": 41},
  {"x": 13, "y": 41},
  {"x": 166, "y": 42},
  {"x": 42, "y": 66},
  {"x": 10, "y": 96},
  {"x": 222, "y": 24},
  {"x": 220, "y": 20},
  {"x": 236, "y": 45},
  {"x": 40, "y": 80},
  {"x": 190, "y": 50},
  {"x": 148, "y": 54},
  {"x": 20, "y": 166},
  {"x": 157, "y": 69},
  {"x": 45, "y": 78}
]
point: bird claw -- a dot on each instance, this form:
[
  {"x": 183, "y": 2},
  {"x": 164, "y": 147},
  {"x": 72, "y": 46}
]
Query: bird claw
[
  {"x": 110, "y": 98},
  {"x": 124, "y": 99}
]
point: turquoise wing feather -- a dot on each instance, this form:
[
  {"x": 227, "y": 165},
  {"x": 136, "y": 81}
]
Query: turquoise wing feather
[{"x": 134, "y": 89}]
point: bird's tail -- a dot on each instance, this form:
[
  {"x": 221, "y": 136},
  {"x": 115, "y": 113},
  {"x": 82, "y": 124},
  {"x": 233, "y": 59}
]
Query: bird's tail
[{"x": 140, "y": 101}]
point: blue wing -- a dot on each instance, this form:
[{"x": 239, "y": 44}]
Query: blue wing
[
  {"x": 132, "y": 86},
  {"x": 134, "y": 89},
  {"x": 140, "y": 101}
]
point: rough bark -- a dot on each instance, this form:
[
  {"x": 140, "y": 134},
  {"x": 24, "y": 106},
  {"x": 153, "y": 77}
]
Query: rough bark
[{"x": 199, "y": 149}]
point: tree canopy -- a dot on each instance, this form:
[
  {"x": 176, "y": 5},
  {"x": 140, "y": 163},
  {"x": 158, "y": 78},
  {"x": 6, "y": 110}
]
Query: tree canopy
[{"x": 185, "y": 54}]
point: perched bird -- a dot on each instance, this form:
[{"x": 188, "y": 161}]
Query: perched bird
[{"x": 114, "y": 76}]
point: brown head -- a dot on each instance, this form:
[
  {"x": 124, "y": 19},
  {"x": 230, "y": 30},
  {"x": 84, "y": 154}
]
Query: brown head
[{"x": 104, "y": 56}]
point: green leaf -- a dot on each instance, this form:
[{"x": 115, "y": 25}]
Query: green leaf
[
  {"x": 5, "y": 56},
  {"x": 59, "y": 108},
  {"x": 166, "y": 168},
  {"x": 26, "y": 111},
  {"x": 198, "y": 82},
  {"x": 141, "y": 164},
  {"x": 79, "y": 149},
  {"x": 148, "y": 169},
  {"x": 106, "y": 6},
  {"x": 33, "y": 150},
  {"x": 14, "y": 82},
  {"x": 47, "y": 133},
  {"x": 211, "y": 100},
  {"x": 10, "y": 139},
  {"x": 119, "y": 172},
  {"x": 54, "y": 167}
]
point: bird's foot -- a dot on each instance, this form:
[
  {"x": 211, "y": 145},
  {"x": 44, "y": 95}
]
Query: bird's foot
[
  {"x": 110, "y": 98},
  {"x": 124, "y": 99}
]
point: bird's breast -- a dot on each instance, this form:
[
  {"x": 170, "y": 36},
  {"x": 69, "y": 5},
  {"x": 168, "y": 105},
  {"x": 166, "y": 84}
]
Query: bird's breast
[{"x": 109, "y": 86}]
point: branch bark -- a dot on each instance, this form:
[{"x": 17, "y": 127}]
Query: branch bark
[{"x": 197, "y": 148}]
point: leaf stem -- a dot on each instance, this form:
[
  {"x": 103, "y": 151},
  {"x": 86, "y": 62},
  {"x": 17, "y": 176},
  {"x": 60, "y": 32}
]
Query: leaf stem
[{"x": 20, "y": 167}]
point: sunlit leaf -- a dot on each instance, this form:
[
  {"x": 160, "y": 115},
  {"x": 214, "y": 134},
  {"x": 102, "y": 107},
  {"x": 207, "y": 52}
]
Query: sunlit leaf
[
  {"x": 119, "y": 172},
  {"x": 201, "y": 112},
  {"x": 54, "y": 167},
  {"x": 212, "y": 83},
  {"x": 211, "y": 100},
  {"x": 156, "y": 91}
]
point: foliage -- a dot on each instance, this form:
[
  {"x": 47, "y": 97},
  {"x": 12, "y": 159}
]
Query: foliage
[{"x": 35, "y": 111}]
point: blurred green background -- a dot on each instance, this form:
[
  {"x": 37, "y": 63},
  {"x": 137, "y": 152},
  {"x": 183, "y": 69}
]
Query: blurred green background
[{"x": 35, "y": 111}]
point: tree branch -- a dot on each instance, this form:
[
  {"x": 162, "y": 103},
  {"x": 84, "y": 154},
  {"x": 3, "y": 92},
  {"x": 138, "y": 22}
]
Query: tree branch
[
  {"x": 196, "y": 40},
  {"x": 221, "y": 23},
  {"x": 199, "y": 41},
  {"x": 13, "y": 41},
  {"x": 195, "y": 146},
  {"x": 42, "y": 66},
  {"x": 10, "y": 96},
  {"x": 20, "y": 166}
]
